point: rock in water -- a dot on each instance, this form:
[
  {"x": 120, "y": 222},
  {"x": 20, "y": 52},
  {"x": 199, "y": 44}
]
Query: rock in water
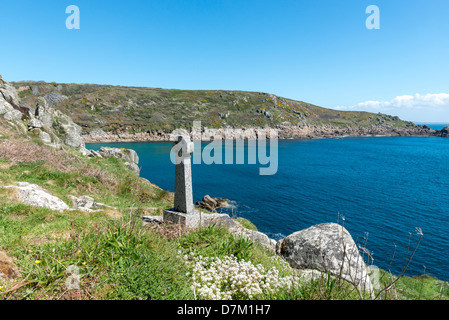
[
  {"x": 211, "y": 204},
  {"x": 326, "y": 247}
]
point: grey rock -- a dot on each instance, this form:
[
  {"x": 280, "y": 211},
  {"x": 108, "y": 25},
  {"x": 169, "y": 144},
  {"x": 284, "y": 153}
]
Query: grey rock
[
  {"x": 43, "y": 112},
  {"x": 36, "y": 196},
  {"x": 212, "y": 204},
  {"x": 444, "y": 132},
  {"x": 129, "y": 155},
  {"x": 83, "y": 203},
  {"x": 68, "y": 130},
  {"x": 62, "y": 124},
  {"x": 85, "y": 152},
  {"x": 326, "y": 247},
  {"x": 8, "y": 93},
  {"x": 95, "y": 154},
  {"x": 5, "y": 106},
  {"x": 133, "y": 167},
  {"x": 35, "y": 123},
  {"x": 183, "y": 175},
  {"x": 45, "y": 137},
  {"x": 53, "y": 98},
  {"x": 13, "y": 115},
  {"x": 97, "y": 132}
]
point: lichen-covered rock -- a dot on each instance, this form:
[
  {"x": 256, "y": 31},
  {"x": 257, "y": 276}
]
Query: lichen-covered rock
[
  {"x": 83, "y": 203},
  {"x": 36, "y": 196},
  {"x": 129, "y": 155},
  {"x": 68, "y": 130},
  {"x": 35, "y": 123},
  {"x": 54, "y": 98},
  {"x": 326, "y": 247}
]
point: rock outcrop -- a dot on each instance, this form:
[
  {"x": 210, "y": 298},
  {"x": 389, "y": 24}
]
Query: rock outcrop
[
  {"x": 284, "y": 131},
  {"x": 36, "y": 196},
  {"x": 326, "y": 247},
  {"x": 9, "y": 102},
  {"x": 48, "y": 117},
  {"x": 129, "y": 155},
  {"x": 443, "y": 132},
  {"x": 52, "y": 126},
  {"x": 212, "y": 204}
]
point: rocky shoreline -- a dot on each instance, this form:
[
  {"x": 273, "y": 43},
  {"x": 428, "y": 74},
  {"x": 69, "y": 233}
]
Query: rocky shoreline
[{"x": 303, "y": 131}]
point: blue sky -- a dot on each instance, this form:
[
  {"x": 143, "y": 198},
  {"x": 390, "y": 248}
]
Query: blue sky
[{"x": 316, "y": 51}]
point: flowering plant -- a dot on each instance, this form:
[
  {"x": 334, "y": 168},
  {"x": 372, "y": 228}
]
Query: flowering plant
[{"x": 228, "y": 278}]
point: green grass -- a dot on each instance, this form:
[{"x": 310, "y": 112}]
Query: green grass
[
  {"x": 125, "y": 259},
  {"x": 116, "y": 255}
]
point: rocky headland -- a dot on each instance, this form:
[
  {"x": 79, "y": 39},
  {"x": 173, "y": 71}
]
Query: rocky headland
[
  {"x": 126, "y": 114},
  {"x": 287, "y": 131}
]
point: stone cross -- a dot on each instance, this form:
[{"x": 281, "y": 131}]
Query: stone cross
[
  {"x": 183, "y": 175},
  {"x": 183, "y": 212}
]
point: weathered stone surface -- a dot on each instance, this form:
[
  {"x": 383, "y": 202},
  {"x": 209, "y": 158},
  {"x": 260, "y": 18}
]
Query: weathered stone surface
[
  {"x": 189, "y": 220},
  {"x": 183, "y": 175},
  {"x": 129, "y": 155},
  {"x": 54, "y": 98},
  {"x": 326, "y": 247},
  {"x": 444, "y": 132},
  {"x": 45, "y": 137},
  {"x": 8, "y": 93},
  {"x": 36, "y": 196},
  {"x": 83, "y": 203},
  {"x": 212, "y": 204},
  {"x": 68, "y": 130},
  {"x": 43, "y": 112},
  {"x": 97, "y": 133},
  {"x": 9, "y": 102},
  {"x": 35, "y": 123},
  {"x": 13, "y": 115}
]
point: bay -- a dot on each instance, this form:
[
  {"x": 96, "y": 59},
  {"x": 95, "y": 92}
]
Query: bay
[{"x": 383, "y": 187}]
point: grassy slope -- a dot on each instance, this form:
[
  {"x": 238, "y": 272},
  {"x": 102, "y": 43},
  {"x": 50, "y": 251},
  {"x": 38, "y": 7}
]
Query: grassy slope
[
  {"x": 116, "y": 255},
  {"x": 139, "y": 109}
]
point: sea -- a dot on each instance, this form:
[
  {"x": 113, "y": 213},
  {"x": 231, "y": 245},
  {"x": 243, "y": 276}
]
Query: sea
[{"x": 390, "y": 193}]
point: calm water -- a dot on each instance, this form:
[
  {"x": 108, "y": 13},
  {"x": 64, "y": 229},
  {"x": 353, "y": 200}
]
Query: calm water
[{"x": 384, "y": 187}]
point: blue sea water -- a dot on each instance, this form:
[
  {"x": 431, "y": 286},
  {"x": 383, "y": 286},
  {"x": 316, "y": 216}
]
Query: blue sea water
[{"x": 384, "y": 187}]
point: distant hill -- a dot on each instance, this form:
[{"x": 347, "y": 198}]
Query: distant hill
[
  {"x": 142, "y": 114},
  {"x": 117, "y": 109}
]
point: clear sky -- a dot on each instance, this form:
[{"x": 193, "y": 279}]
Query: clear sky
[{"x": 318, "y": 51}]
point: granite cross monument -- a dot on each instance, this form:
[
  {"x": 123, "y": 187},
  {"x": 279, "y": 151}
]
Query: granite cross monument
[{"x": 183, "y": 211}]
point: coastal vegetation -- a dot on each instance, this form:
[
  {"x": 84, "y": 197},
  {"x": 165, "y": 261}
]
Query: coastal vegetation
[
  {"x": 116, "y": 255},
  {"x": 110, "y": 251},
  {"x": 138, "y": 109}
]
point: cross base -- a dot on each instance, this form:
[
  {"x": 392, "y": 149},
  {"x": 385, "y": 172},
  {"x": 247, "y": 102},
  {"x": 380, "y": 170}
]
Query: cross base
[{"x": 190, "y": 220}]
